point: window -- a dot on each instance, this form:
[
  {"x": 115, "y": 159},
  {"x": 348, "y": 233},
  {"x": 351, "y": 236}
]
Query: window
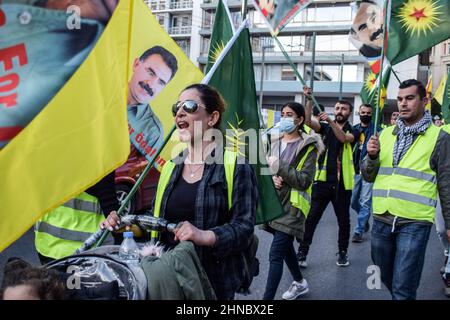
[
  {"x": 330, "y": 72},
  {"x": 205, "y": 45},
  {"x": 287, "y": 74},
  {"x": 160, "y": 19},
  {"x": 448, "y": 68},
  {"x": 184, "y": 45},
  {"x": 207, "y": 20},
  {"x": 448, "y": 48}
]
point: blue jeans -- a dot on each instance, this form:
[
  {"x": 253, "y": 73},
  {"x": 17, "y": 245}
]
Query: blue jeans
[
  {"x": 362, "y": 202},
  {"x": 282, "y": 249},
  {"x": 400, "y": 254}
]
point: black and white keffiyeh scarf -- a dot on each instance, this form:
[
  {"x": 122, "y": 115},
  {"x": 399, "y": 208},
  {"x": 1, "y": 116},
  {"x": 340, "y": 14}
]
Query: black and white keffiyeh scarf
[{"x": 405, "y": 135}]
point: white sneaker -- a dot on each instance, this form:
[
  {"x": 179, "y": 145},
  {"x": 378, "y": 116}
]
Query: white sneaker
[{"x": 296, "y": 290}]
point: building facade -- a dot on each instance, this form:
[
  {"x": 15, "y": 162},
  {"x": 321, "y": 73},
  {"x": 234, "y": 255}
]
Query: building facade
[{"x": 190, "y": 23}]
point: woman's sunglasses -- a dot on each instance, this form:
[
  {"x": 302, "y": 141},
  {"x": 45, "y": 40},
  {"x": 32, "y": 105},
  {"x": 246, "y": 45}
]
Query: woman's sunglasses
[{"x": 190, "y": 106}]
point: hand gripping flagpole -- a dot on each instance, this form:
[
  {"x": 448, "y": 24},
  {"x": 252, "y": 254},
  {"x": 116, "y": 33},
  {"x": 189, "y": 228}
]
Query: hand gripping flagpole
[
  {"x": 100, "y": 235},
  {"x": 97, "y": 238}
]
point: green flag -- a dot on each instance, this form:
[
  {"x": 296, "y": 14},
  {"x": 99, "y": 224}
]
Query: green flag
[
  {"x": 221, "y": 34},
  {"x": 416, "y": 25},
  {"x": 369, "y": 91},
  {"x": 446, "y": 101},
  {"x": 235, "y": 80}
]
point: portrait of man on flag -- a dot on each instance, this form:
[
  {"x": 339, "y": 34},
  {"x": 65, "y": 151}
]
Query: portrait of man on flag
[
  {"x": 366, "y": 33},
  {"x": 152, "y": 71}
]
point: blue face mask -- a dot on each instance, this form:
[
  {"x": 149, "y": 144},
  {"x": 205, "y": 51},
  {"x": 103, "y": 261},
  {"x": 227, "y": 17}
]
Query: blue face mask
[{"x": 287, "y": 125}]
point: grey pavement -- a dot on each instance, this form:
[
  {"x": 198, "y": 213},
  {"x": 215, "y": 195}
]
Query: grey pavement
[{"x": 326, "y": 280}]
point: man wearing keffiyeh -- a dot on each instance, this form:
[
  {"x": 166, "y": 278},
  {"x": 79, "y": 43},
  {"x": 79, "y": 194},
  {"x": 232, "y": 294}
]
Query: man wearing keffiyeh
[{"x": 409, "y": 165}]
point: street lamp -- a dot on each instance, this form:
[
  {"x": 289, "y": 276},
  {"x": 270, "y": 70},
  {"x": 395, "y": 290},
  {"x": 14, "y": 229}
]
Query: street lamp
[{"x": 262, "y": 73}]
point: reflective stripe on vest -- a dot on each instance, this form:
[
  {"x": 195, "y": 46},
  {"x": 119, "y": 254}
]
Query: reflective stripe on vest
[
  {"x": 348, "y": 169},
  {"x": 63, "y": 230},
  {"x": 302, "y": 199},
  {"x": 409, "y": 190},
  {"x": 229, "y": 158}
]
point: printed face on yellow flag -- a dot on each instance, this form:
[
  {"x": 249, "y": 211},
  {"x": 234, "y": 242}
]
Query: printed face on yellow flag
[{"x": 159, "y": 71}]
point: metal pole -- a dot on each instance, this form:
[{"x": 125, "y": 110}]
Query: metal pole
[
  {"x": 377, "y": 109},
  {"x": 262, "y": 78},
  {"x": 104, "y": 233},
  {"x": 294, "y": 68},
  {"x": 244, "y": 9},
  {"x": 340, "y": 77},
  {"x": 313, "y": 61}
]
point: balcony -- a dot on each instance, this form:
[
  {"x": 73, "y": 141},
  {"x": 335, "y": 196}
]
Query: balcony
[
  {"x": 181, "y": 5},
  {"x": 176, "y": 31}
]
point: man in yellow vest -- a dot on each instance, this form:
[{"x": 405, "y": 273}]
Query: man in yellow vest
[
  {"x": 63, "y": 230},
  {"x": 334, "y": 176},
  {"x": 409, "y": 163}
]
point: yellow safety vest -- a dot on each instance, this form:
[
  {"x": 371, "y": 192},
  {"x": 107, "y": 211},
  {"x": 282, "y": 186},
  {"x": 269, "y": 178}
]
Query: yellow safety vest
[
  {"x": 446, "y": 128},
  {"x": 410, "y": 189},
  {"x": 348, "y": 169},
  {"x": 63, "y": 230},
  {"x": 229, "y": 158},
  {"x": 302, "y": 199}
]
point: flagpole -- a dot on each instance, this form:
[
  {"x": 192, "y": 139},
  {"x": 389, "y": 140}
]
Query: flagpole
[
  {"x": 385, "y": 27},
  {"x": 97, "y": 238},
  {"x": 294, "y": 68},
  {"x": 395, "y": 74}
]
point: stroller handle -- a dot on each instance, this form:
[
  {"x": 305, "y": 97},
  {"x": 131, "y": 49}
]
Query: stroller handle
[{"x": 145, "y": 222}]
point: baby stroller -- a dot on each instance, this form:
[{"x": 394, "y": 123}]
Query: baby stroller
[{"x": 98, "y": 273}]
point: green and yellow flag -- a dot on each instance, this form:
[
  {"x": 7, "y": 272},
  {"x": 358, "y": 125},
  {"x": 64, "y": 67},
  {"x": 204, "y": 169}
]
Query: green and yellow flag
[
  {"x": 442, "y": 97},
  {"x": 222, "y": 32},
  {"x": 369, "y": 91},
  {"x": 416, "y": 25},
  {"x": 235, "y": 79}
]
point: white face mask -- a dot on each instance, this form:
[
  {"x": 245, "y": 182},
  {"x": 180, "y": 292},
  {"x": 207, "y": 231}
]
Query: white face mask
[{"x": 287, "y": 125}]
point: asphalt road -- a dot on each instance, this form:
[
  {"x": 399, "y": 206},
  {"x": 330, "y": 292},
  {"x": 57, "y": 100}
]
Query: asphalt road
[{"x": 326, "y": 280}]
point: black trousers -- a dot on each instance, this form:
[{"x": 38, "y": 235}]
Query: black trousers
[{"x": 322, "y": 194}]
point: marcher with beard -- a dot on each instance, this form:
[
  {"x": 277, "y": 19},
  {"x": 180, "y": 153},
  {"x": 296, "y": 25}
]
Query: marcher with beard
[
  {"x": 292, "y": 159},
  {"x": 196, "y": 193},
  {"x": 362, "y": 190},
  {"x": 334, "y": 177},
  {"x": 409, "y": 164},
  {"x": 152, "y": 71}
]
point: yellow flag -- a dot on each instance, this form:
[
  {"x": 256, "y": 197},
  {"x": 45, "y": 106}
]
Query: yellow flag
[
  {"x": 429, "y": 88},
  {"x": 147, "y": 35},
  {"x": 79, "y": 137},
  {"x": 440, "y": 90}
]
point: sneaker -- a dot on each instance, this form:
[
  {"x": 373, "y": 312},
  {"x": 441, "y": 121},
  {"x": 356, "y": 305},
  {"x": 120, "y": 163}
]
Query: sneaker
[
  {"x": 302, "y": 260},
  {"x": 446, "y": 278},
  {"x": 357, "y": 238},
  {"x": 342, "y": 259},
  {"x": 296, "y": 290},
  {"x": 367, "y": 227}
]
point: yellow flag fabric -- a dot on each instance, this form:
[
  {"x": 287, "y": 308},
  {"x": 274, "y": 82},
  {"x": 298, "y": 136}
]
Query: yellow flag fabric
[
  {"x": 428, "y": 89},
  {"x": 148, "y": 33},
  {"x": 79, "y": 137},
  {"x": 439, "y": 93}
]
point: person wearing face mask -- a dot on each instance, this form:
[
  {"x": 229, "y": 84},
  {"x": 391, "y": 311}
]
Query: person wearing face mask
[
  {"x": 334, "y": 176},
  {"x": 292, "y": 159},
  {"x": 193, "y": 191},
  {"x": 362, "y": 191}
]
